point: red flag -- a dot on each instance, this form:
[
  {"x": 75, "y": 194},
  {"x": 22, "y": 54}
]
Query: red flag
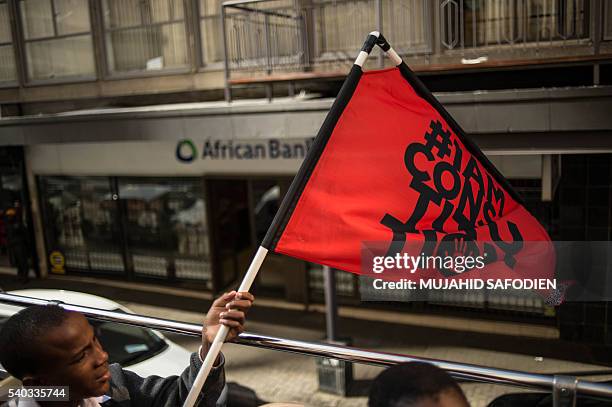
[{"x": 391, "y": 165}]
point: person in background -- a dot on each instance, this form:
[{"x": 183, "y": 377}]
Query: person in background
[
  {"x": 416, "y": 384},
  {"x": 17, "y": 240}
]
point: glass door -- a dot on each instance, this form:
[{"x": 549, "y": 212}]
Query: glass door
[
  {"x": 266, "y": 196},
  {"x": 231, "y": 229}
]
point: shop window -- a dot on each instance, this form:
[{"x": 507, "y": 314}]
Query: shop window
[
  {"x": 8, "y": 71},
  {"x": 145, "y": 35},
  {"x": 81, "y": 222},
  {"x": 57, "y": 36},
  {"x": 166, "y": 227}
]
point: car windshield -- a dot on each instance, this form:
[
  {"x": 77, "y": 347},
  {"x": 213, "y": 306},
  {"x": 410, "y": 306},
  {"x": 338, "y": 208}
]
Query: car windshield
[{"x": 127, "y": 344}]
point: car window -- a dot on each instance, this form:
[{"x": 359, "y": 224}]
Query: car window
[{"x": 127, "y": 344}]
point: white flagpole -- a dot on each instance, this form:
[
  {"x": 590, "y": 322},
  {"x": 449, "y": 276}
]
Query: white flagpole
[{"x": 215, "y": 348}]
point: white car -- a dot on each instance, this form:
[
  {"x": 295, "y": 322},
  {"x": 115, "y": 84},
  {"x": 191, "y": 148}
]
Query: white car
[{"x": 144, "y": 351}]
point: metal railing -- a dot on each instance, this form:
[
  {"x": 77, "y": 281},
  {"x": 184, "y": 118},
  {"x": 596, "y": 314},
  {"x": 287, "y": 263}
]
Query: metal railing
[
  {"x": 262, "y": 35},
  {"x": 338, "y": 27},
  {"x": 268, "y": 36},
  {"x": 483, "y": 23},
  {"x": 272, "y": 35},
  {"x": 461, "y": 371}
]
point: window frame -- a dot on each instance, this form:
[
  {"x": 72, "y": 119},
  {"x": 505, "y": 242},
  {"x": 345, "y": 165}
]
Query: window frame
[
  {"x": 200, "y": 45},
  {"x": 14, "y": 43},
  {"x": 103, "y": 31},
  {"x": 26, "y": 81}
]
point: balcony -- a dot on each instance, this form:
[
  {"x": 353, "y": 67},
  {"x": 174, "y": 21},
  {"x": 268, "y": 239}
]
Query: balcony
[
  {"x": 117, "y": 48},
  {"x": 284, "y": 40}
]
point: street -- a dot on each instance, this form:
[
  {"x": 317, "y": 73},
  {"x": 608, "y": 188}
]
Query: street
[{"x": 278, "y": 376}]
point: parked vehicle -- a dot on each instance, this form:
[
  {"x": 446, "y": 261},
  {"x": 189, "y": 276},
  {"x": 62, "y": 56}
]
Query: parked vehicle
[{"x": 142, "y": 350}]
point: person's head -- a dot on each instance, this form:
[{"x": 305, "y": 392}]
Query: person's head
[
  {"x": 416, "y": 384},
  {"x": 44, "y": 345}
]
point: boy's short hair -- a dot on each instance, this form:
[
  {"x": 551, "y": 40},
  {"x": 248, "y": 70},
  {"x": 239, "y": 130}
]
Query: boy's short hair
[
  {"x": 20, "y": 335},
  {"x": 406, "y": 383}
]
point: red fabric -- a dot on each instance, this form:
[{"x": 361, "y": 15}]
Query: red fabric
[{"x": 361, "y": 176}]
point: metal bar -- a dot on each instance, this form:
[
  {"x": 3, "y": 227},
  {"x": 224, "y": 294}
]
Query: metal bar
[
  {"x": 564, "y": 391},
  {"x": 268, "y": 48},
  {"x": 261, "y": 11},
  {"x": 18, "y": 32},
  {"x": 132, "y": 319},
  {"x": 458, "y": 27},
  {"x": 331, "y": 305},
  {"x": 607, "y": 32},
  {"x": 537, "y": 20},
  {"x": 444, "y": 25},
  {"x": 268, "y": 44},
  {"x": 597, "y": 13},
  {"x": 143, "y": 26},
  {"x": 233, "y": 3},
  {"x": 355, "y": 355},
  {"x": 226, "y": 72},
  {"x": 460, "y": 24},
  {"x": 305, "y": 16},
  {"x": 474, "y": 42},
  {"x": 99, "y": 40},
  {"x": 379, "y": 28},
  {"x": 525, "y": 15},
  {"x": 58, "y": 37},
  {"x": 54, "y": 18},
  {"x": 434, "y": 32}
]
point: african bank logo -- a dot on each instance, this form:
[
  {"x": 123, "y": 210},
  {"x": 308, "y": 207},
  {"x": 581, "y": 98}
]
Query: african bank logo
[
  {"x": 186, "y": 151},
  {"x": 224, "y": 149}
]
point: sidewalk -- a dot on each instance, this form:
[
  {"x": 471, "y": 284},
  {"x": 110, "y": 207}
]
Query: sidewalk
[{"x": 280, "y": 376}]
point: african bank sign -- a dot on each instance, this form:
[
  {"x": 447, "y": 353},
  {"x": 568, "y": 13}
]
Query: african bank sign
[{"x": 188, "y": 151}]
